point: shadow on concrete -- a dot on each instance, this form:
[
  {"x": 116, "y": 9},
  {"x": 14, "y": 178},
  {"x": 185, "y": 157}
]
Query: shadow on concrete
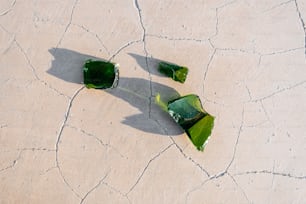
[
  {"x": 151, "y": 62},
  {"x": 67, "y": 65}
]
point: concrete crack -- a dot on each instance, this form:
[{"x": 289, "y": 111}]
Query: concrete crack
[
  {"x": 217, "y": 24},
  {"x": 94, "y": 34},
  {"x": 237, "y": 141},
  {"x": 280, "y": 52},
  {"x": 190, "y": 159},
  {"x": 282, "y": 174},
  {"x": 259, "y": 61},
  {"x": 3, "y": 126},
  {"x": 207, "y": 68},
  {"x": 241, "y": 189},
  {"x": 216, "y": 29},
  {"x": 266, "y": 113},
  {"x": 273, "y": 177},
  {"x": 49, "y": 169},
  {"x": 164, "y": 129},
  {"x": 277, "y": 6},
  {"x": 176, "y": 39},
  {"x": 195, "y": 189},
  {"x": 217, "y": 176},
  {"x": 36, "y": 149},
  {"x": 34, "y": 70},
  {"x": 93, "y": 189},
  {"x": 59, "y": 139},
  {"x": 249, "y": 92},
  {"x": 13, "y": 163},
  {"x": 52, "y": 88},
  {"x": 280, "y": 91},
  {"x": 140, "y": 19},
  {"x": 146, "y": 53},
  {"x": 227, "y": 4},
  {"x": 147, "y": 166},
  {"x": 257, "y": 124},
  {"x": 88, "y": 134},
  {"x": 217, "y": 20},
  {"x": 229, "y": 49},
  {"x": 67, "y": 26},
  {"x": 9, "y": 9},
  {"x": 234, "y": 152},
  {"x": 302, "y": 22},
  {"x": 123, "y": 47},
  {"x": 27, "y": 59},
  {"x": 116, "y": 190},
  {"x": 97, "y": 139},
  {"x": 21, "y": 150}
]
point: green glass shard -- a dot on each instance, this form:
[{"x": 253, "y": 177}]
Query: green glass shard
[
  {"x": 188, "y": 112},
  {"x": 176, "y": 72},
  {"x": 200, "y": 132},
  {"x": 100, "y": 74}
]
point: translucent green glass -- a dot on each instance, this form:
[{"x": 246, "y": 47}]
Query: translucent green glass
[
  {"x": 100, "y": 74},
  {"x": 176, "y": 72},
  {"x": 200, "y": 132},
  {"x": 188, "y": 112}
]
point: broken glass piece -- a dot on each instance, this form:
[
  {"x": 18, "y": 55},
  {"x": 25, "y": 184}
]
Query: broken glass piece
[
  {"x": 188, "y": 112},
  {"x": 176, "y": 72},
  {"x": 100, "y": 74},
  {"x": 200, "y": 132}
]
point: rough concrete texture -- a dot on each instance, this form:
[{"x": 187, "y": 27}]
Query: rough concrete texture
[{"x": 63, "y": 143}]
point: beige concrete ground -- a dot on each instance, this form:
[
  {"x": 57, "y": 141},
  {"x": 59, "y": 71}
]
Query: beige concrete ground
[{"x": 63, "y": 143}]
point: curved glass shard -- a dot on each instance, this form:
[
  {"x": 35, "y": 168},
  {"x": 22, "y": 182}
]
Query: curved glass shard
[
  {"x": 200, "y": 132},
  {"x": 188, "y": 112}
]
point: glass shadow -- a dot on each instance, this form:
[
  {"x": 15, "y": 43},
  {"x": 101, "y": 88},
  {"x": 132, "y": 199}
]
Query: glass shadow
[{"x": 139, "y": 93}]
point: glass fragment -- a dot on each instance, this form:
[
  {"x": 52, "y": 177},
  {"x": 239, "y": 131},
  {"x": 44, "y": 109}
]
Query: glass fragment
[
  {"x": 100, "y": 74},
  {"x": 176, "y": 72},
  {"x": 188, "y": 112}
]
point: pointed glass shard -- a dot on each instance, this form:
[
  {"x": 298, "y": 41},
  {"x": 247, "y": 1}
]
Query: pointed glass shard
[
  {"x": 200, "y": 132},
  {"x": 176, "y": 72},
  {"x": 100, "y": 74},
  {"x": 188, "y": 112}
]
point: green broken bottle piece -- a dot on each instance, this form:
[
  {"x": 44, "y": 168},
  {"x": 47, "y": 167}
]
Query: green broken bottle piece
[
  {"x": 176, "y": 72},
  {"x": 200, "y": 132},
  {"x": 188, "y": 112},
  {"x": 100, "y": 74}
]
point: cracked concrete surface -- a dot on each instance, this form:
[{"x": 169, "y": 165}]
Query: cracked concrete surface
[{"x": 63, "y": 143}]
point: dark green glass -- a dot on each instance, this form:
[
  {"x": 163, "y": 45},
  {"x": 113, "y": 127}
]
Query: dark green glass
[
  {"x": 176, "y": 72},
  {"x": 188, "y": 112},
  {"x": 100, "y": 74}
]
